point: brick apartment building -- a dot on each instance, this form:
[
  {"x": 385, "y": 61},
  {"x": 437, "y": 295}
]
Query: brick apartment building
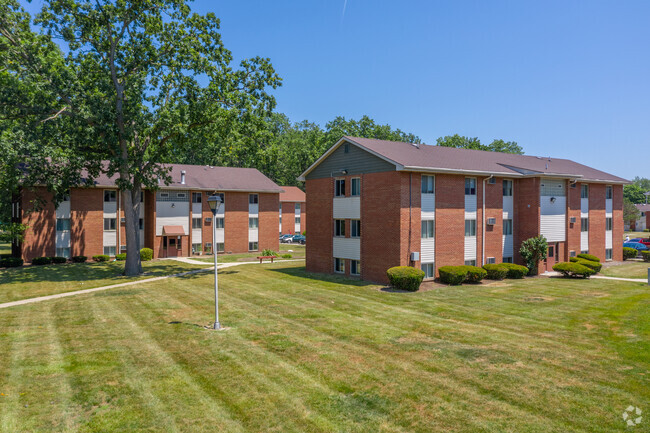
[
  {"x": 643, "y": 222},
  {"x": 293, "y": 211},
  {"x": 175, "y": 220},
  {"x": 379, "y": 204}
]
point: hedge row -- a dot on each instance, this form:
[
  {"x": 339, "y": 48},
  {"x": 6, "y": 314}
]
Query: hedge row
[
  {"x": 454, "y": 275},
  {"x": 11, "y": 262},
  {"x": 573, "y": 270},
  {"x": 589, "y": 257},
  {"x": 629, "y": 253},
  {"x": 500, "y": 271},
  {"x": 646, "y": 256},
  {"x": 595, "y": 266}
]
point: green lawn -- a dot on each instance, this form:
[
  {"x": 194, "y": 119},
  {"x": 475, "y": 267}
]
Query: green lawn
[
  {"x": 627, "y": 270},
  {"x": 633, "y": 235},
  {"x": 297, "y": 252},
  {"x": 307, "y": 353},
  {"x": 5, "y": 249},
  {"x": 33, "y": 281}
]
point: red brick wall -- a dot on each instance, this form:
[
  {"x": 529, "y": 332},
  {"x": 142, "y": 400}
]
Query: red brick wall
[
  {"x": 236, "y": 222},
  {"x": 87, "y": 222},
  {"x": 493, "y": 233},
  {"x": 597, "y": 220},
  {"x": 320, "y": 193},
  {"x": 288, "y": 217},
  {"x": 269, "y": 221},
  {"x": 303, "y": 217},
  {"x": 41, "y": 221},
  {"x": 526, "y": 213},
  {"x": 415, "y": 217},
  {"x": 450, "y": 220},
  {"x": 617, "y": 221},
  {"x": 572, "y": 211}
]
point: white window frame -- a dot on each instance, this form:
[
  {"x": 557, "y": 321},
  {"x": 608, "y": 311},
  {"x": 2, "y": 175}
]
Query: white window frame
[
  {"x": 507, "y": 187},
  {"x": 428, "y": 184},
  {"x": 428, "y": 229},
  {"x": 253, "y": 223},
  {"x": 339, "y": 265},
  {"x": 507, "y": 227},
  {"x": 253, "y": 246},
  {"x": 355, "y": 191},
  {"x": 339, "y": 187},
  {"x": 339, "y": 228},
  {"x": 472, "y": 227},
  {"x": 355, "y": 267},
  {"x": 253, "y": 199},
  {"x": 470, "y": 186},
  {"x": 355, "y": 228}
]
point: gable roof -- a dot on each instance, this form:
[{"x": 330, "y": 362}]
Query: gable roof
[
  {"x": 423, "y": 157},
  {"x": 292, "y": 194},
  {"x": 643, "y": 207}
]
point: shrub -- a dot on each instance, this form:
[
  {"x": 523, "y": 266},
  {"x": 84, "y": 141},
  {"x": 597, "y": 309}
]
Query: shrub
[
  {"x": 533, "y": 251},
  {"x": 146, "y": 254},
  {"x": 496, "y": 271},
  {"x": 452, "y": 275},
  {"x": 11, "y": 262},
  {"x": 629, "y": 253},
  {"x": 79, "y": 259},
  {"x": 645, "y": 255},
  {"x": 405, "y": 278},
  {"x": 59, "y": 259},
  {"x": 589, "y": 257},
  {"x": 646, "y": 230},
  {"x": 286, "y": 256},
  {"x": 120, "y": 256},
  {"x": 474, "y": 274},
  {"x": 269, "y": 252},
  {"x": 596, "y": 266},
  {"x": 41, "y": 261},
  {"x": 573, "y": 269},
  {"x": 101, "y": 258},
  {"x": 515, "y": 272}
]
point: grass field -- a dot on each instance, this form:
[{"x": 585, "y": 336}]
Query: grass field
[
  {"x": 297, "y": 252},
  {"x": 627, "y": 270},
  {"x": 633, "y": 235},
  {"x": 5, "y": 248},
  {"x": 307, "y": 353}
]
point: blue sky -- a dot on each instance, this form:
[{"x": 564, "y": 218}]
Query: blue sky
[{"x": 567, "y": 79}]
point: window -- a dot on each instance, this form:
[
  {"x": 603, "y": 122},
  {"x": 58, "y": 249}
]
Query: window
[
  {"x": 507, "y": 227},
  {"x": 180, "y": 195},
  {"x": 356, "y": 186},
  {"x": 253, "y": 198},
  {"x": 470, "y": 262},
  {"x": 507, "y": 260},
  {"x": 196, "y": 248},
  {"x": 110, "y": 224},
  {"x": 196, "y": 223},
  {"x": 428, "y": 184},
  {"x": 65, "y": 197},
  {"x": 339, "y": 188},
  {"x": 584, "y": 252},
  {"x": 339, "y": 265},
  {"x": 507, "y": 188},
  {"x": 608, "y": 224},
  {"x": 110, "y": 196},
  {"x": 297, "y": 207},
  {"x": 470, "y": 186},
  {"x": 551, "y": 251},
  {"x": 491, "y": 260},
  {"x": 355, "y": 228},
  {"x": 572, "y": 253},
  {"x": 63, "y": 224},
  {"x": 609, "y": 192},
  {"x": 123, "y": 248},
  {"x": 220, "y": 223},
  {"x": 196, "y": 197},
  {"x": 208, "y": 247},
  {"x": 109, "y": 251},
  {"x": 297, "y": 219},
  {"x": 428, "y": 229},
  {"x": 552, "y": 188},
  {"x": 339, "y": 228},
  {"x": 355, "y": 267},
  {"x": 584, "y": 191},
  {"x": 428, "y": 270},
  {"x": 141, "y": 223},
  {"x": 63, "y": 252},
  {"x": 252, "y": 246},
  {"x": 221, "y": 247},
  {"x": 608, "y": 254},
  {"x": 346, "y": 148},
  {"x": 253, "y": 223},
  {"x": 470, "y": 227},
  {"x": 584, "y": 224}
]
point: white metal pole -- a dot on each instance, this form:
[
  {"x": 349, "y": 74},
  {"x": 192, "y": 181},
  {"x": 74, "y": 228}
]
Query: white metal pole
[{"x": 217, "y": 325}]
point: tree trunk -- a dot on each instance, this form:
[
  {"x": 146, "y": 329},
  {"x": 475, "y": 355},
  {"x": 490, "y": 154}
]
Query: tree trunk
[{"x": 131, "y": 200}]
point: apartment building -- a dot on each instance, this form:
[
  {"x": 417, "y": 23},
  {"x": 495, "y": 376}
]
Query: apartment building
[
  {"x": 293, "y": 211},
  {"x": 379, "y": 204},
  {"x": 643, "y": 222},
  {"x": 175, "y": 219}
]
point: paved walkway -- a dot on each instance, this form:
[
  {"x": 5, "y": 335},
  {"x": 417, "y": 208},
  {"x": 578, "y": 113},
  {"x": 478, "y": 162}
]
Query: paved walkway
[
  {"x": 602, "y": 277},
  {"x": 131, "y": 283},
  {"x": 190, "y": 261}
]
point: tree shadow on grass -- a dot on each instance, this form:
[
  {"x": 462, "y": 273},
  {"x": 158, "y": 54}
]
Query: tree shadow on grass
[{"x": 300, "y": 272}]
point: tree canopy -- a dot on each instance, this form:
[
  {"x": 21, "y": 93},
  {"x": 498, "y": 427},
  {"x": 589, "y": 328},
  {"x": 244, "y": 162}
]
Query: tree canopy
[{"x": 461, "y": 142}]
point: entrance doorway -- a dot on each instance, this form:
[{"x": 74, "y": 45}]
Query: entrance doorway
[
  {"x": 552, "y": 256},
  {"x": 172, "y": 246}
]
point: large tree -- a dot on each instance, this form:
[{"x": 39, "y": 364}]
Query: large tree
[
  {"x": 634, "y": 193},
  {"x": 462, "y": 142},
  {"x": 122, "y": 86}
]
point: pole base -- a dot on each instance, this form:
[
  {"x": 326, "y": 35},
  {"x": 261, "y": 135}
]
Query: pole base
[{"x": 217, "y": 326}]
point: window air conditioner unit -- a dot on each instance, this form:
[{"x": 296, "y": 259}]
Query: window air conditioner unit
[
  {"x": 491, "y": 221},
  {"x": 208, "y": 220},
  {"x": 492, "y": 180},
  {"x": 415, "y": 256},
  {"x": 122, "y": 220},
  {"x": 572, "y": 220}
]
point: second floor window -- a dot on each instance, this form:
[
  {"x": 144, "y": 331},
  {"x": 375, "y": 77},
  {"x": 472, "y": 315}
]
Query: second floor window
[
  {"x": 428, "y": 184},
  {"x": 428, "y": 229},
  {"x": 584, "y": 191},
  {"x": 253, "y": 198},
  {"x": 339, "y": 228},
  {"x": 196, "y": 223},
  {"x": 339, "y": 188},
  {"x": 220, "y": 223},
  {"x": 196, "y": 197},
  {"x": 608, "y": 224},
  {"x": 584, "y": 224},
  {"x": 470, "y": 186},
  {"x": 110, "y": 224},
  {"x": 609, "y": 192},
  {"x": 470, "y": 227},
  {"x": 253, "y": 223},
  {"x": 355, "y": 228},
  {"x": 110, "y": 196},
  {"x": 356, "y": 186},
  {"x": 507, "y": 227},
  {"x": 63, "y": 224},
  {"x": 507, "y": 188}
]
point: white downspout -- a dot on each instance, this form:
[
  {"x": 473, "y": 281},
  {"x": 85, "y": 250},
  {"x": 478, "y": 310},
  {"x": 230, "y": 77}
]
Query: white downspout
[{"x": 483, "y": 221}]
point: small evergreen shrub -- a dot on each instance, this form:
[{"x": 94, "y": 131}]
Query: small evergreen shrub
[
  {"x": 645, "y": 255},
  {"x": 38, "y": 261},
  {"x": 146, "y": 254},
  {"x": 573, "y": 270},
  {"x": 452, "y": 275},
  {"x": 101, "y": 258},
  {"x": 269, "y": 252},
  {"x": 286, "y": 256},
  {"x": 120, "y": 257},
  {"x": 629, "y": 253},
  {"x": 11, "y": 262},
  {"x": 515, "y": 272},
  {"x": 405, "y": 278},
  {"x": 474, "y": 274},
  {"x": 596, "y": 266},
  {"x": 59, "y": 260},
  {"x": 495, "y": 271},
  {"x": 79, "y": 259},
  {"x": 646, "y": 230},
  {"x": 589, "y": 257}
]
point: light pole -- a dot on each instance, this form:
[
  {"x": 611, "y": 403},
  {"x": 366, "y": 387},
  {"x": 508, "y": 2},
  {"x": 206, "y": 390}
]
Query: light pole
[
  {"x": 646, "y": 194},
  {"x": 214, "y": 201}
]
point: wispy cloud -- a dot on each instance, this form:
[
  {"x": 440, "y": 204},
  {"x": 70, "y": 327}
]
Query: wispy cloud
[{"x": 345, "y": 4}]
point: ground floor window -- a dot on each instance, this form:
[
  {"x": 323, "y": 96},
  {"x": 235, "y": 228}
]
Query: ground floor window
[
  {"x": 608, "y": 254},
  {"x": 491, "y": 260},
  {"x": 63, "y": 252},
  {"x": 355, "y": 267},
  {"x": 572, "y": 253},
  {"x": 109, "y": 251},
  {"x": 221, "y": 247},
  {"x": 196, "y": 248},
  {"x": 584, "y": 252},
  {"x": 123, "y": 248},
  {"x": 252, "y": 246},
  {"x": 429, "y": 270},
  {"x": 339, "y": 265},
  {"x": 470, "y": 262},
  {"x": 507, "y": 260},
  {"x": 208, "y": 247}
]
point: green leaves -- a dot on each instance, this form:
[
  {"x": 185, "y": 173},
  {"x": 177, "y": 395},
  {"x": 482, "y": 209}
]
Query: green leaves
[{"x": 461, "y": 142}]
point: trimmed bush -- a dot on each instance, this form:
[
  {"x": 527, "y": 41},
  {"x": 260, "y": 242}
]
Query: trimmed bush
[
  {"x": 79, "y": 259},
  {"x": 38, "y": 261},
  {"x": 59, "y": 260},
  {"x": 573, "y": 270},
  {"x": 269, "y": 252},
  {"x": 589, "y": 257},
  {"x": 515, "y": 272},
  {"x": 495, "y": 271},
  {"x": 646, "y": 230},
  {"x": 120, "y": 257},
  {"x": 629, "y": 253},
  {"x": 646, "y": 256},
  {"x": 474, "y": 274},
  {"x": 11, "y": 262},
  {"x": 452, "y": 275},
  {"x": 146, "y": 254},
  {"x": 596, "y": 266},
  {"x": 101, "y": 258},
  {"x": 405, "y": 278},
  {"x": 286, "y": 256}
]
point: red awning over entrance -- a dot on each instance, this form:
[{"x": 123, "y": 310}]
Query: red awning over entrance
[{"x": 173, "y": 231}]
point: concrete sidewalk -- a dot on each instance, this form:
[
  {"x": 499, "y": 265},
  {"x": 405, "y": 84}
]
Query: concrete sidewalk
[{"x": 602, "y": 277}]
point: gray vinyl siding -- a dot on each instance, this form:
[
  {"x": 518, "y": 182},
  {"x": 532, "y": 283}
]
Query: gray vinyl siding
[{"x": 357, "y": 161}]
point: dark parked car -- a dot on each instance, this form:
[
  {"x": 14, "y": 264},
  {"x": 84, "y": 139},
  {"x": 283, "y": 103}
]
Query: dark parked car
[
  {"x": 299, "y": 239},
  {"x": 636, "y": 245}
]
